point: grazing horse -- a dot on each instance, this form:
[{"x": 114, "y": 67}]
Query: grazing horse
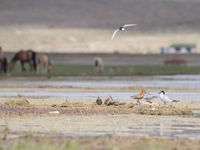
[
  {"x": 98, "y": 65},
  {"x": 24, "y": 56},
  {"x": 3, "y": 61},
  {"x": 44, "y": 63}
]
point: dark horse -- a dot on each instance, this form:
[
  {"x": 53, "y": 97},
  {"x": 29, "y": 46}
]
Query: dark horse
[
  {"x": 24, "y": 56},
  {"x": 3, "y": 61}
]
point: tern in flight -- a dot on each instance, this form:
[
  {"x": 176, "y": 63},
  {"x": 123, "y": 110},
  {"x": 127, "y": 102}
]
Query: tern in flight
[
  {"x": 165, "y": 98},
  {"x": 122, "y": 28}
]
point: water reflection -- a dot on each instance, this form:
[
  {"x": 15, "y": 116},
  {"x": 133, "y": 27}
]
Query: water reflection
[
  {"x": 175, "y": 81},
  {"x": 99, "y": 125}
]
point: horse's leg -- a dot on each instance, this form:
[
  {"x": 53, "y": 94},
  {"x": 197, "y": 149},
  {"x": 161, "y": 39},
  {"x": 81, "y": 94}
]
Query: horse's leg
[
  {"x": 45, "y": 67},
  {"x": 22, "y": 64},
  {"x": 40, "y": 68},
  {"x": 31, "y": 66},
  {"x": 1, "y": 66}
]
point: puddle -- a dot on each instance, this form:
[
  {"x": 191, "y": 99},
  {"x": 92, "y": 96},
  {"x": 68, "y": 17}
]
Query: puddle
[{"x": 100, "y": 125}]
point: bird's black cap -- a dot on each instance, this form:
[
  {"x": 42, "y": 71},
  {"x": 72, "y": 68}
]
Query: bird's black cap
[{"x": 162, "y": 92}]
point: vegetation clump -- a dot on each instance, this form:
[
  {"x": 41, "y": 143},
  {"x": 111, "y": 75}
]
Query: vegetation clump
[{"x": 21, "y": 102}]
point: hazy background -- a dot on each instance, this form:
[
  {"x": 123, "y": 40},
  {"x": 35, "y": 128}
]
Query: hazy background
[{"x": 87, "y": 25}]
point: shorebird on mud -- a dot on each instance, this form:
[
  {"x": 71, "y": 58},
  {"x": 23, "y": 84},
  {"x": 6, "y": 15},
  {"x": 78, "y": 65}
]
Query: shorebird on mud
[
  {"x": 149, "y": 96},
  {"x": 109, "y": 100},
  {"x": 165, "y": 98},
  {"x": 99, "y": 101},
  {"x": 139, "y": 96},
  {"x": 122, "y": 28}
]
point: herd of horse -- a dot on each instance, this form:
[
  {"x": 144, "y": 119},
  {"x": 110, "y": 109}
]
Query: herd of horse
[{"x": 37, "y": 61}]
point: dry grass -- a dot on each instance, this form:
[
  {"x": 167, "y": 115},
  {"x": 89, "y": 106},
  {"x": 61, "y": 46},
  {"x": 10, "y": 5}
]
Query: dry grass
[
  {"x": 15, "y": 103},
  {"x": 102, "y": 143},
  {"x": 90, "y": 40}
]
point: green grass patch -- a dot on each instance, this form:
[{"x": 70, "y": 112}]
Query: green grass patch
[{"x": 88, "y": 70}]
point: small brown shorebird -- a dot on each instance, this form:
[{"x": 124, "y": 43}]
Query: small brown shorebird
[
  {"x": 139, "y": 96},
  {"x": 99, "y": 101},
  {"x": 109, "y": 100}
]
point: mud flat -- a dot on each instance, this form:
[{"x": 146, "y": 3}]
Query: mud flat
[
  {"x": 23, "y": 107},
  {"x": 86, "y": 125}
]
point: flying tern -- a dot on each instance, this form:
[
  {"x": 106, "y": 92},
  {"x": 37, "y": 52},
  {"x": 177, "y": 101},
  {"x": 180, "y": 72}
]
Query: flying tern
[
  {"x": 122, "y": 28},
  {"x": 165, "y": 98}
]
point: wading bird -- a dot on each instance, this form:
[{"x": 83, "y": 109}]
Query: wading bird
[
  {"x": 149, "y": 96},
  {"x": 122, "y": 28},
  {"x": 99, "y": 101},
  {"x": 109, "y": 101},
  {"x": 165, "y": 98},
  {"x": 139, "y": 96}
]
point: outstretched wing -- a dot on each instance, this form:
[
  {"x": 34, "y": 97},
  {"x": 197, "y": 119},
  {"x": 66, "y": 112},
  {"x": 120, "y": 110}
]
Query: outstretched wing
[
  {"x": 115, "y": 32},
  {"x": 129, "y": 25}
]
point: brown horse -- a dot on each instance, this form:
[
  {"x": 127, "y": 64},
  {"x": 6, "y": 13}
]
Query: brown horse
[
  {"x": 44, "y": 63},
  {"x": 98, "y": 65},
  {"x": 3, "y": 61},
  {"x": 24, "y": 56}
]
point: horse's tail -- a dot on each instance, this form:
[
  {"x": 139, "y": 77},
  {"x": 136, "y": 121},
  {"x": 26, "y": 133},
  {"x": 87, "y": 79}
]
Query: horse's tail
[
  {"x": 5, "y": 64},
  {"x": 34, "y": 60}
]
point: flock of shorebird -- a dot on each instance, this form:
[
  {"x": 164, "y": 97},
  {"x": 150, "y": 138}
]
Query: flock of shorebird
[
  {"x": 149, "y": 96},
  {"x": 142, "y": 95}
]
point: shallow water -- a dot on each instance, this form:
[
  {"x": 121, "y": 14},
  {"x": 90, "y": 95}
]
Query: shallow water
[
  {"x": 107, "y": 125},
  {"x": 183, "y": 96},
  {"x": 174, "y": 81}
]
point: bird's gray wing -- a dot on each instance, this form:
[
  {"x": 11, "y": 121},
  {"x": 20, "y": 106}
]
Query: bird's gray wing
[
  {"x": 115, "y": 32},
  {"x": 167, "y": 99},
  {"x": 129, "y": 25},
  {"x": 150, "y": 96}
]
